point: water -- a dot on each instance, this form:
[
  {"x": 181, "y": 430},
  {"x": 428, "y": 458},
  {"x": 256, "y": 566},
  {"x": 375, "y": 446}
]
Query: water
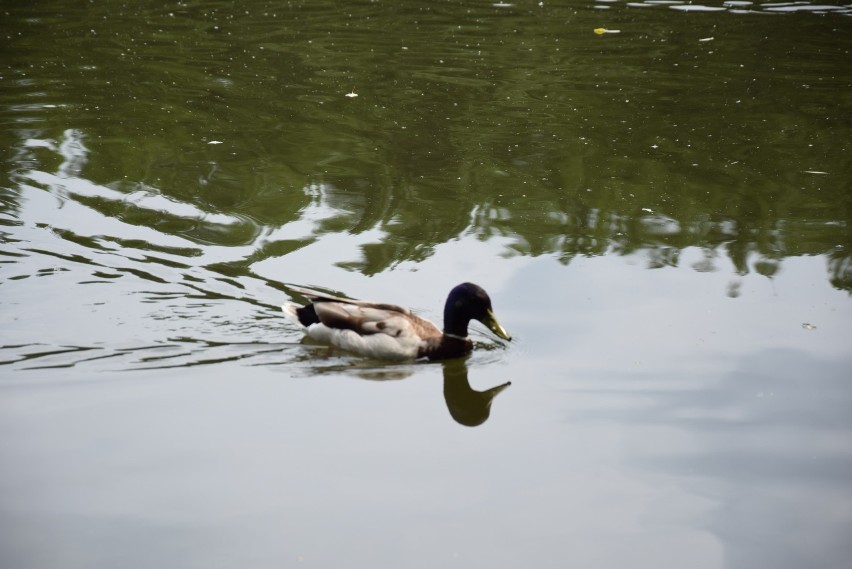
[{"x": 660, "y": 213}]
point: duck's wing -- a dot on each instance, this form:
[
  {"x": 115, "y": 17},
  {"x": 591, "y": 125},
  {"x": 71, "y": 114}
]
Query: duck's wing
[
  {"x": 322, "y": 297},
  {"x": 371, "y": 318}
]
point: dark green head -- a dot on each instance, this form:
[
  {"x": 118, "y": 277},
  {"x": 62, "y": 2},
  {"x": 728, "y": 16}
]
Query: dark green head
[{"x": 468, "y": 302}]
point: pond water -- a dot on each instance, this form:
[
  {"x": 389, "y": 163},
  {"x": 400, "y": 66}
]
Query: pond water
[{"x": 655, "y": 194}]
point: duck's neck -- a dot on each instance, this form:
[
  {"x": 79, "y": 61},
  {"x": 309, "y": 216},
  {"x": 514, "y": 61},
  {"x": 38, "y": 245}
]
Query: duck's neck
[
  {"x": 455, "y": 325},
  {"x": 454, "y": 336}
]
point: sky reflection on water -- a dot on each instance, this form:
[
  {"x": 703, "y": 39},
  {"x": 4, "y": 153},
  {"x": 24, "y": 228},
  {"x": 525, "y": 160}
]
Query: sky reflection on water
[{"x": 661, "y": 217}]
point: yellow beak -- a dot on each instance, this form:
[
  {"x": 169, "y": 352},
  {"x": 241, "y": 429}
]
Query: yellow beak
[{"x": 492, "y": 324}]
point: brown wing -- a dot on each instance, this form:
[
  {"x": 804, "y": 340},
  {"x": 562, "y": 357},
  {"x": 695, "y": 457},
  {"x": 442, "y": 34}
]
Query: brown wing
[
  {"x": 374, "y": 319},
  {"x": 424, "y": 328},
  {"x": 321, "y": 297}
]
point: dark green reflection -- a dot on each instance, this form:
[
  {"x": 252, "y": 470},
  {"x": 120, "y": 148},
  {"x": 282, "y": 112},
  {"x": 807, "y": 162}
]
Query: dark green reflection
[
  {"x": 466, "y": 405},
  {"x": 700, "y": 129}
]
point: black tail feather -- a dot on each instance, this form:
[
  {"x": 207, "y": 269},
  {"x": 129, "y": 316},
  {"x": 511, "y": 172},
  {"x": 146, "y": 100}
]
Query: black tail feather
[{"x": 307, "y": 315}]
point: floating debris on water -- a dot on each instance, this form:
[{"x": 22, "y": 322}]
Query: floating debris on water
[
  {"x": 602, "y": 31},
  {"x": 808, "y": 326}
]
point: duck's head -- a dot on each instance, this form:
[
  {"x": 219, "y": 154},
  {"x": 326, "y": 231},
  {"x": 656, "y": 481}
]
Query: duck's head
[{"x": 468, "y": 302}]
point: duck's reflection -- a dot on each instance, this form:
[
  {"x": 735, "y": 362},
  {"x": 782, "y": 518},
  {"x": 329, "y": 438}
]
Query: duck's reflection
[{"x": 466, "y": 405}]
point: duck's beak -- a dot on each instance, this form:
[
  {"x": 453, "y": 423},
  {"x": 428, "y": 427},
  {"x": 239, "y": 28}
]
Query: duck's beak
[{"x": 492, "y": 324}]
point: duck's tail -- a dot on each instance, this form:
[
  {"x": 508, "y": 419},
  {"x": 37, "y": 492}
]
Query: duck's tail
[
  {"x": 291, "y": 311},
  {"x": 301, "y": 316}
]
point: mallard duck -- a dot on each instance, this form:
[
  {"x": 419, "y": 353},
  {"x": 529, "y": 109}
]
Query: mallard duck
[{"x": 387, "y": 331}]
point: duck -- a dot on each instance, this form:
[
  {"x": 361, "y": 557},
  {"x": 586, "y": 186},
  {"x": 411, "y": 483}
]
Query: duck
[{"x": 387, "y": 331}]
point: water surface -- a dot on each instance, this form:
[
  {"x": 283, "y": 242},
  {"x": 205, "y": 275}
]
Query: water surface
[{"x": 660, "y": 212}]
